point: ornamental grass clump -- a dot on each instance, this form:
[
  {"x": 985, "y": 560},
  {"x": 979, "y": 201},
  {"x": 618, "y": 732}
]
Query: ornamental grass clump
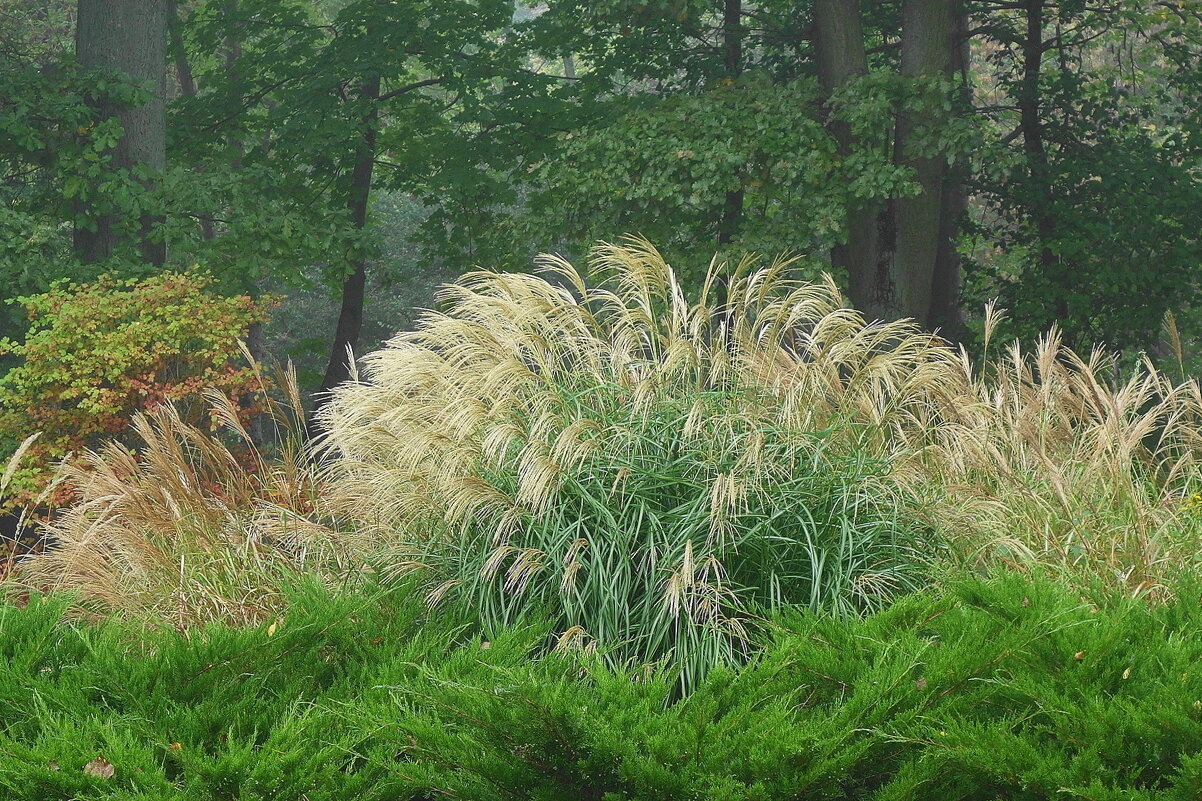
[
  {"x": 654, "y": 472},
  {"x": 1066, "y": 461},
  {"x": 193, "y": 525}
]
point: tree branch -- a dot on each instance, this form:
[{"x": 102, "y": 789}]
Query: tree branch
[{"x": 410, "y": 88}]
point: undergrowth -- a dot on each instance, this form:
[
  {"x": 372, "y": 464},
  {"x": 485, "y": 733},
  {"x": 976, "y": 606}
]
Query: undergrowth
[{"x": 1009, "y": 687}]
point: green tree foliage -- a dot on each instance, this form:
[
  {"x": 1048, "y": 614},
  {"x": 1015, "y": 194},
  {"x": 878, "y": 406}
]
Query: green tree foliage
[
  {"x": 96, "y": 353},
  {"x": 663, "y": 167},
  {"x": 1059, "y": 132},
  {"x": 54, "y": 157},
  {"x": 706, "y": 125},
  {"x": 1089, "y": 192},
  {"x": 719, "y": 130},
  {"x": 698, "y": 134},
  {"x": 309, "y": 108}
]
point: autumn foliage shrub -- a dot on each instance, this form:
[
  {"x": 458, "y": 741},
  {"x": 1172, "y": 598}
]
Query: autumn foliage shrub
[{"x": 97, "y": 353}]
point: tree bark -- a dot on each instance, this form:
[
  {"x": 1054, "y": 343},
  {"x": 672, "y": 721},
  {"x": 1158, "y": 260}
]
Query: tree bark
[
  {"x": 841, "y": 58},
  {"x": 925, "y": 53},
  {"x": 946, "y": 313},
  {"x": 732, "y": 61},
  {"x": 900, "y": 260},
  {"x": 1031, "y": 126},
  {"x": 187, "y": 88},
  {"x": 128, "y": 36},
  {"x": 183, "y": 70},
  {"x": 350, "y": 316}
]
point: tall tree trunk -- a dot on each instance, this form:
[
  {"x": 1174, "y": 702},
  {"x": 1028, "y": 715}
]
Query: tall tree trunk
[
  {"x": 946, "y": 312},
  {"x": 1031, "y": 126},
  {"x": 129, "y": 36},
  {"x": 841, "y": 58},
  {"x": 925, "y": 53},
  {"x": 187, "y": 88},
  {"x": 732, "y": 60},
  {"x": 183, "y": 70},
  {"x": 350, "y": 317}
]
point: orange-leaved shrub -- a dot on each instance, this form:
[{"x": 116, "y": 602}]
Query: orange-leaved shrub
[{"x": 97, "y": 353}]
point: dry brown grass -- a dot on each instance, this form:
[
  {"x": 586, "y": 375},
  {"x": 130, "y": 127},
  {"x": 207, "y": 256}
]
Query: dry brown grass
[
  {"x": 191, "y": 526},
  {"x": 1056, "y": 459}
]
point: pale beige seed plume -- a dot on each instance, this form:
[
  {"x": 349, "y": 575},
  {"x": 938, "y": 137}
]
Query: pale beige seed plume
[{"x": 1014, "y": 460}]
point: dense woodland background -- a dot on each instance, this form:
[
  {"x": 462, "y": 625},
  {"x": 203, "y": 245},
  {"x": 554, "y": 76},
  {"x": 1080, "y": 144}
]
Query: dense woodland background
[{"x": 341, "y": 158}]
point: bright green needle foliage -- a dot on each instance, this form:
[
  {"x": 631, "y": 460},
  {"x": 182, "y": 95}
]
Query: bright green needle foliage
[
  {"x": 652, "y": 471},
  {"x": 1002, "y": 688}
]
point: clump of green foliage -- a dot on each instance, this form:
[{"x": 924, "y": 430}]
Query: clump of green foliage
[
  {"x": 654, "y": 472},
  {"x": 1008, "y": 687},
  {"x": 96, "y": 353},
  {"x": 657, "y": 471}
]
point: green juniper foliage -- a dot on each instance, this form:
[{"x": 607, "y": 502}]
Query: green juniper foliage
[{"x": 1006, "y": 687}]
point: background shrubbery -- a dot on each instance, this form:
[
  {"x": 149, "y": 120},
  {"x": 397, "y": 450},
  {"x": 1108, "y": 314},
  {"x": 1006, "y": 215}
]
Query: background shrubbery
[{"x": 96, "y": 353}]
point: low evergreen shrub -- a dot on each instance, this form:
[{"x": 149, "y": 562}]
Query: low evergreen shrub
[{"x": 1005, "y": 688}]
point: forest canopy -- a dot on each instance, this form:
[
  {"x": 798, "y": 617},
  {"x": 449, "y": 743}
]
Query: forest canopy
[{"x": 352, "y": 154}]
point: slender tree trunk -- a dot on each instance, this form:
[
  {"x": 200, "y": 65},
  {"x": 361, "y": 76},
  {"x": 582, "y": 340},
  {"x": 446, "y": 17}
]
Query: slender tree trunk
[
  {"x": 732, "y": 58},
  {"x": 187, "y": 88},
  {"x": 255, "y": 336},
  {"x": 350, "y": 317},
  {"x": 946, "y": 312},
  {"x": 1031, "y": 126},
  {"x": 183, "y": 70},
  {"x": 925, "y": 53},
  {"x": 841, "y": 58},
  {"x": 129, "y": 36}
]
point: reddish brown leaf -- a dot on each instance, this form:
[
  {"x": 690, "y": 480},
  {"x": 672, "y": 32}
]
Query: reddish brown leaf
[{"x": 100, "y": 768}]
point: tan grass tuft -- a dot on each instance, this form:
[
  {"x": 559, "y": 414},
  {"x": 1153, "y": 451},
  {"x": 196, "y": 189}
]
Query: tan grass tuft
[
  {"x": 1036, "y": 457},
  {"x": 181, "y": 531}
]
